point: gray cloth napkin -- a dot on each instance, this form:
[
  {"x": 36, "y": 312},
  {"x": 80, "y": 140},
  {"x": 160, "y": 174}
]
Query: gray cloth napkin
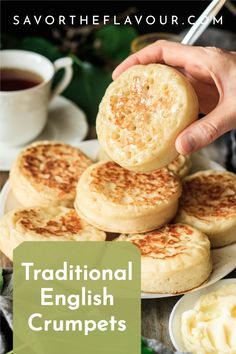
[{"x": 6, "y": 312}]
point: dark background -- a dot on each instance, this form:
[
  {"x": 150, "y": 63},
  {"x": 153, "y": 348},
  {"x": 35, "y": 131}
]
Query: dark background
[
  {"x": 97, "y": 51},
  {"x": 179, "y": 8}
]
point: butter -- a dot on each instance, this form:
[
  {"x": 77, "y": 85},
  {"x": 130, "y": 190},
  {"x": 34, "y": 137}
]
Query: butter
[{"x": 210, "y": 327}]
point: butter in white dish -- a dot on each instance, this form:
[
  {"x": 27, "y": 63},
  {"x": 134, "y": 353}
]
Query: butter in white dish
[{"x": 210, "y": 327}]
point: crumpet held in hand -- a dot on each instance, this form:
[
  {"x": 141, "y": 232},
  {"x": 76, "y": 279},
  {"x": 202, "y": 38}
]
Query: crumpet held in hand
[{"x": 142, "y": 113}]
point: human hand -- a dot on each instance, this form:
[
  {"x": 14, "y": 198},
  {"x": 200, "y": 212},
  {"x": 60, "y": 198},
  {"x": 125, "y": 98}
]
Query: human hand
[{"x": 212, "y": 73}]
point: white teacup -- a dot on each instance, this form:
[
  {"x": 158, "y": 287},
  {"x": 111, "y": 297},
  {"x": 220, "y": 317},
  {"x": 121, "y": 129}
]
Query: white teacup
[{"x": 23, "y": 113}]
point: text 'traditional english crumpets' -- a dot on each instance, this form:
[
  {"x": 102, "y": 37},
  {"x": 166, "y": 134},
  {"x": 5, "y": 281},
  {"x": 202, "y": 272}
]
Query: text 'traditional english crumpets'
[
  {"x": 208, "y": 203},
  {"x": 180, "y": 166},
  {"x": 44, "y": 224},
  {"x": 118, "y": 200},
  {"x": 46, "y": 174},
  {"x": 141, "y": 115},
  {"x": 174, "y": 259}
]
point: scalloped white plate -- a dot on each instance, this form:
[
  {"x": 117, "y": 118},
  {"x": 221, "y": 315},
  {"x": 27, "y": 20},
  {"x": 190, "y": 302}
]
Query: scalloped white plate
[{"x": 224, "y": 260}]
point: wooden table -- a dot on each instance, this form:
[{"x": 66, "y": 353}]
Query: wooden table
[{"x": 155, "y": 313}]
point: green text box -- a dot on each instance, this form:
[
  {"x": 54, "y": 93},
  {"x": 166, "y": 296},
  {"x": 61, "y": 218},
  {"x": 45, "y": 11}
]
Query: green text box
[{"x": 76, "y": 298}]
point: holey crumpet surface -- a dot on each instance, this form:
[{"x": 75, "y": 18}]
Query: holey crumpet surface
[
  {"x": 208, "y": 203},
  {"x": 44, "y": 224},
  {"x": 142, "y": 113},
  {"x": 46, "y": 173},
  {"x": 180, "y": 166},
  {"x": 118, "y": 200},
  {"x": 174, "y": 259}
]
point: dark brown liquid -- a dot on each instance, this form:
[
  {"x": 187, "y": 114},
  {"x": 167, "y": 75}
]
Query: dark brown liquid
[{"x": 12, "y": 79}]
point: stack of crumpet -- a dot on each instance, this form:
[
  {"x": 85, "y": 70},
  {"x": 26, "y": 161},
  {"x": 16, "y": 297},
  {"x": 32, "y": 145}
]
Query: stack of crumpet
[
  {"x": 139, "y": 189},
  {"x": 43, "y": 180},
  {"x": 135, "y": 188}
]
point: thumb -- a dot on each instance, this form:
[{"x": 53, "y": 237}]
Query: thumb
[{"x": 207, "y": 129}]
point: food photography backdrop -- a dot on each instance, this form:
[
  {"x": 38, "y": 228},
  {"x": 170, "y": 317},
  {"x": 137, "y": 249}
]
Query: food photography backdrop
[{"x": 96, "y": 50}]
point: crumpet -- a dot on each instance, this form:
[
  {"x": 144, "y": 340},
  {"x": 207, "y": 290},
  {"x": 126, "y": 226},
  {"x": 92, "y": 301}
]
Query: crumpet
[
  {"x": 44, "y": 224},
  {"x": 142, "y": 113},
  {"x": 46, "y": 174},
  {"x": 180, "y": 166},
  {"x": 118, "y": 200},
  {"x": 208, "y": 203},
  {"x": 174, "y": 259}
]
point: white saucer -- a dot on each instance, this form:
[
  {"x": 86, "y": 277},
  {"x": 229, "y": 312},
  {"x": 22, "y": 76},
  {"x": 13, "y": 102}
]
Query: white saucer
[
  {"x": 66, "y": 123},
  {"x": 186, "y": 303}
]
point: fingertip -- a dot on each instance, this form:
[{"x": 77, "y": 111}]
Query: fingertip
[
  {"x": 122, "y": 67},
  {"x": 179, "y": 147},
  {"x": 115, "y": 73},
  {"x": 186, "y": 144},
  {"x": 113, "y": 76}
]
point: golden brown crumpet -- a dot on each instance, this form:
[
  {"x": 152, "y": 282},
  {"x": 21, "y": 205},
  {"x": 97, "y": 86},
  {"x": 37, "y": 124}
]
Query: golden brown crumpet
[
  {"x": 118, "y": 200},
  {"x": 180, "y": 166},
  {"x": 208, "y": 203},
  {"x": 46, "y": 173},
  {"x": 44, "y": 224},
  {"x": 141, "y": 115},
  {"x": 174, "y": 259}
]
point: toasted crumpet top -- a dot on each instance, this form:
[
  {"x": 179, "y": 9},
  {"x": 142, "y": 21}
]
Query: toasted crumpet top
[
  {"x": 141, "y": 109},
  {"x": 209, "y": 194},
  {"x": 125, "y": 187},
  {"x": 57, "y": 222},
  {"x": 168, "y": 242},
  {"x": 177, "y": 164},
  {"x": 54, "y": 165},
  {"x": 54, "y": 223}
]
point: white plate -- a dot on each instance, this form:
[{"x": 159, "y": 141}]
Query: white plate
[
  {"x": 66, "y": 123},
  {"x": 186, "y": 303},
  {"x": 223, "y": 259}
]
